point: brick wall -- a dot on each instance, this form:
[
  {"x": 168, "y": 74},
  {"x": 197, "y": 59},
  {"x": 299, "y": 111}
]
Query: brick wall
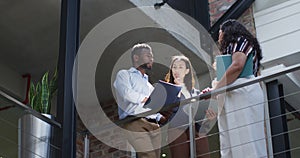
[
  {"x": 218, "y": 7},
  {"x": 98, "y": 149},
  {"x": 247, "y": 19},
  {"x": 79, "y": 138}
]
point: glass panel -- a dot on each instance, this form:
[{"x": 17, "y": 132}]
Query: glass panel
[
  {"x": 19, "y": 127},
  {"x": 291, "y": 89},
  {"x": 29, "y": 45}
]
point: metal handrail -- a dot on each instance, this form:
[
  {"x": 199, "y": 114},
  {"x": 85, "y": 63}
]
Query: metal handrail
[
  {"x": 207, "y": 95},
  {"x": 230, "y": 87},
  {"x": 29, "y": 110}
]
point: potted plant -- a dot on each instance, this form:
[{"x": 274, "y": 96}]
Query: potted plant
[
  {"x": 40, "y": 96},
  {"x": 35, "y": 134}
]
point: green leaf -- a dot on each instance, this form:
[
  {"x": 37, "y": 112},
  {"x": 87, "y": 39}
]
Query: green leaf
[
  {"x": 37, "y": 102},
  {"x": 45, "y": 93},
  {"x": 40, "y": 95},
  {"x": 33, "y": 100},
  {"x": 31, "y": 94},
  {"x": 52, "y": 88},
  {"x": 53, "y": 84}
]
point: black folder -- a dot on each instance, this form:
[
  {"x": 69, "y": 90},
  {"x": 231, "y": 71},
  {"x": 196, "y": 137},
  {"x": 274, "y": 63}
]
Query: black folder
[{"x": 164, "y": 93}]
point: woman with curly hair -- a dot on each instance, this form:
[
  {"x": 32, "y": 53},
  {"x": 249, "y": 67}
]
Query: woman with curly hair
[{"x": 241, "y": 114}]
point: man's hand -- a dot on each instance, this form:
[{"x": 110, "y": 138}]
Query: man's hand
[
  {"x": 144, "y": 100},
  {"x": 166, "y": 114},
  {"x": 162, "y": 120}
]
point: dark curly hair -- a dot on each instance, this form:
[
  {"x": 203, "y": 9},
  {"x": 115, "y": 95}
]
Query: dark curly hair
[
  {"x": 189, "y": 80},
  {"x": 232, "y": 30}
]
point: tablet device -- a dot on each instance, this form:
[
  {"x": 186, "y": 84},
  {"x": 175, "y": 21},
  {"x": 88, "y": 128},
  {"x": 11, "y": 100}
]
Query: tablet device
[{"x": 164, "y": 93}]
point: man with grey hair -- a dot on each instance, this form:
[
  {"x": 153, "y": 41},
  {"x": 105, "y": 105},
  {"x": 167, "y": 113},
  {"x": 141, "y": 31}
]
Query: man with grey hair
[{"x": 132, "y": 91}]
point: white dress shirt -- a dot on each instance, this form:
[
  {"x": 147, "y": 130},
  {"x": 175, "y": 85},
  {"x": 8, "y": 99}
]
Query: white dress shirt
[{"x": 131, "y": 88}]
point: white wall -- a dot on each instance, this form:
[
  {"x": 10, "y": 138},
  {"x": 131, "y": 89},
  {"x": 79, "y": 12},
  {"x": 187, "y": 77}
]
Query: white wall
[
  {"x": 278, "y": 29},
  {"x": 264, "y": 4},
  {"x": 12, "y": 82}
]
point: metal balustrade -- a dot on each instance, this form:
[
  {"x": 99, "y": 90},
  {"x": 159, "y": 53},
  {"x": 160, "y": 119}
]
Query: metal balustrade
[
  {"x": 264, "y": 78},
  {"x": 19, "y": 137},
  {"x": 13, "y": 110}
]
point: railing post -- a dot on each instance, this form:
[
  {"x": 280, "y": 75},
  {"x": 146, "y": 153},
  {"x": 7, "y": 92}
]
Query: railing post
[{"x": 192, "y": 132}]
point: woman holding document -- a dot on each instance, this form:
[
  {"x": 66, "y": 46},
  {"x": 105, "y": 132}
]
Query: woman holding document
[
  {"x": 181, "y": 73},
  {"x": 241, "y": 116}
]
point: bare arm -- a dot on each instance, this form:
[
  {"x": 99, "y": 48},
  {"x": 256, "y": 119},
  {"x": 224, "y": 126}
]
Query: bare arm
[{"x": 234, "y": 70}]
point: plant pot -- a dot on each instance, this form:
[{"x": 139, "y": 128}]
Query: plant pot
[{"x": 34, "y": 137}]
